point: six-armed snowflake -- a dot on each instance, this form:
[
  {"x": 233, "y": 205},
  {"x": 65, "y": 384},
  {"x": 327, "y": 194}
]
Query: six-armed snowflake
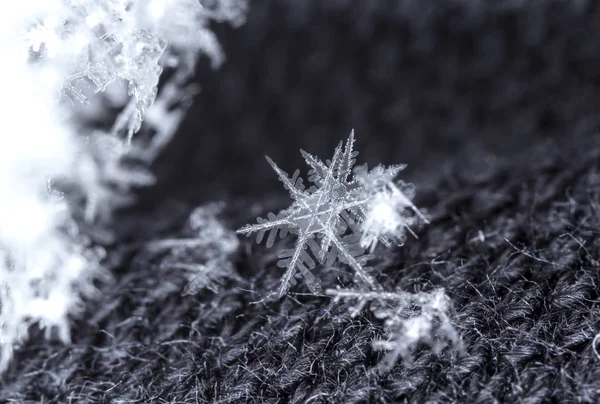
[{"x": 338, "y": 217}]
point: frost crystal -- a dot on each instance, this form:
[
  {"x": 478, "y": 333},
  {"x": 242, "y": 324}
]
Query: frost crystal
[
  {"x": 409, "y": 319},
  {"x": 337, "y": 217}
]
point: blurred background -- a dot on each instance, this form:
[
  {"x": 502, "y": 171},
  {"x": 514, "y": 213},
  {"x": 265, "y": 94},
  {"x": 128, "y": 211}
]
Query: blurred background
[{"x": 425, "y": 83}]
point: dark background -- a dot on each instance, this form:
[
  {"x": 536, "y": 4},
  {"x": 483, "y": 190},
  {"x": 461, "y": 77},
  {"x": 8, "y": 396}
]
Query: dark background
[{"x": 425, "y": 83}]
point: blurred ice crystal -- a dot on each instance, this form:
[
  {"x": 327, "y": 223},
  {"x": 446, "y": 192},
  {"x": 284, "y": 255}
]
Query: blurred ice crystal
[
  {"x": 44, "y": 284},
  {"x": 205, "y": 258},
  {"x": 409, "y": 319},
  {"x": 390, "y": 211}
]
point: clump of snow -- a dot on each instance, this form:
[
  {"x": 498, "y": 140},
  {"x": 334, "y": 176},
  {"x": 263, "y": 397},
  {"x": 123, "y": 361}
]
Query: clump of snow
[
  {"x": 409, "y": 320},
  {"x": 389, "y": 212},
  {"x": 57, "y": 56}
]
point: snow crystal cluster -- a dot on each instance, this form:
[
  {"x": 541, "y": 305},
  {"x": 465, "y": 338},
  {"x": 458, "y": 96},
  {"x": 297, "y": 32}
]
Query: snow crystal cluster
[
  {"x": 67, "y": 63},
  {"x": 128, "y": 43},
  {"x": 109, "y": 55},
  {"x": 410, "y": 319},
  {"x": 342, "y": 216}
]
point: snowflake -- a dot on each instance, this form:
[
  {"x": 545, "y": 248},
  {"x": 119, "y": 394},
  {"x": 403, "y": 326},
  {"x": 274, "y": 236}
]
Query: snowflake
[
  {"x": 336, "y": 217},
  {"x": 409, "y": 319}
]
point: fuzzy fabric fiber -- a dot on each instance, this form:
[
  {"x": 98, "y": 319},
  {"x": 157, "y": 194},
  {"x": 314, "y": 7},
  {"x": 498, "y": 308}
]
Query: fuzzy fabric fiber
[{"x": 495, "y": 106}]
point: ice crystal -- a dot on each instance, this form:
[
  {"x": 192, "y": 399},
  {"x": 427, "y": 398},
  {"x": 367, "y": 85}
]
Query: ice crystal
[
  {"x": 409, "y": 319},
  {"x": 105, "y": 42},
  {"x": 390, "y": 210},
  {"x": 165, "y": 116},
  {"x": 337, "y": 216},
  {"x": 110, "y": 175},
  {"x": 205, "y": 258}
]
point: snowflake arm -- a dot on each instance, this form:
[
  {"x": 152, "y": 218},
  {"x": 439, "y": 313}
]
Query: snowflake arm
[
  {"x": 318, "y": 168},
  {"x": 350, "y": 256},
  {"x": 291, "y": 265},
  {"x": 293, "y": 185},
  {"x": 263, "y": 226},
  {"x": 347, "y": 160}
]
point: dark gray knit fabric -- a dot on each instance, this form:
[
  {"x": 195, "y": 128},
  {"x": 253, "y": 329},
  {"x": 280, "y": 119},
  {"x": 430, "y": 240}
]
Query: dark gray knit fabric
[{"x": 495, "y": 106}]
